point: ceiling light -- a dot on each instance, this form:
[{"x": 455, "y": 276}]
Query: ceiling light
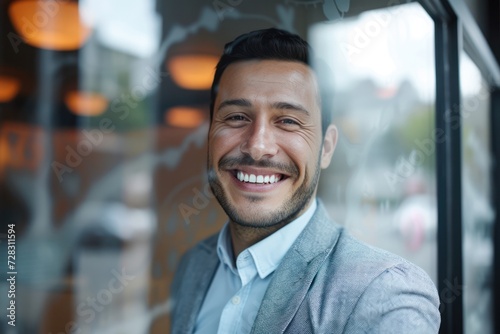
[
  {"x": 9, "y": 87},
  {"x": 193, "y": 71},
  {"x": 184, "y": 117},
  {"x": 54, "y": 25},
  {"x": 86, "y": 103}
]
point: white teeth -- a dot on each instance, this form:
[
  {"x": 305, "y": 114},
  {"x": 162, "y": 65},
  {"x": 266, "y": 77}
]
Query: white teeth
[{"x": 252, "y": 178}]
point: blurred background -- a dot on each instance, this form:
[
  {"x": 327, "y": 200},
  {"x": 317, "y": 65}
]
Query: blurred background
[{"x": 103, "y": 125}]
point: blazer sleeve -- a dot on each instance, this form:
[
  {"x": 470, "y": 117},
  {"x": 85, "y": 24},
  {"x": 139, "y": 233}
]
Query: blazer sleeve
[{"x": 402, "y": 299}]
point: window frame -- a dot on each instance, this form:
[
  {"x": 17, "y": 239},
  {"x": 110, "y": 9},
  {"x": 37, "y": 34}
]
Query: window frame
[{"x": 456, "y": 29}]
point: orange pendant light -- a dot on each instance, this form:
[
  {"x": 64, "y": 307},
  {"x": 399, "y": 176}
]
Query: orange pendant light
[
  {"x": 53, "y": 25},
  {"x": 86, "y": 103}
]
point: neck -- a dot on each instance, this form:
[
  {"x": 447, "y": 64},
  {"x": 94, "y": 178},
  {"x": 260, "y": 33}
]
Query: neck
[{"x": 243, "y": 237}]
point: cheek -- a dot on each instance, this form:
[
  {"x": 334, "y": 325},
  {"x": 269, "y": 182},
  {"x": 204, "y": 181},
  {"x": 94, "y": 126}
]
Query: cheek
[
  {"x": 301, "y": 149},
  {"x": 221, "y": 143},
  {"x": 307, "y": 163}
]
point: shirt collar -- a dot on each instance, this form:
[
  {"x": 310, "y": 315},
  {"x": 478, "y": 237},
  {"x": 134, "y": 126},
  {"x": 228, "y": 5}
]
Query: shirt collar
[
  {"x": 225, "y": 248},
  {"x": 267, "y": 253}
]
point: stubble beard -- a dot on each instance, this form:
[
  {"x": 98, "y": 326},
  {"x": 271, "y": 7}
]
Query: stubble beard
[{"x": 288, "y": 211}]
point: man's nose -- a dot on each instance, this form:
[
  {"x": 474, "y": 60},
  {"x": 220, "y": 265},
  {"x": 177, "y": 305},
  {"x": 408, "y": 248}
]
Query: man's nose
[{"x": 260, "y": 141}]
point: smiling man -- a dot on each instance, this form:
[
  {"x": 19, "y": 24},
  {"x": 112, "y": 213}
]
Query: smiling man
[{"x": 280, "y": 265}]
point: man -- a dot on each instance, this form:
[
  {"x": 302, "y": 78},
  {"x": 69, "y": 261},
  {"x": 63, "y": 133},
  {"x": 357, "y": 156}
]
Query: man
[{"x": 280, "y": 265}]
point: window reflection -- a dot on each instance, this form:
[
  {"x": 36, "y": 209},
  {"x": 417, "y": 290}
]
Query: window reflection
[
  {"x": 77, "y": 85},
  {"x": 381, "y": 184}
]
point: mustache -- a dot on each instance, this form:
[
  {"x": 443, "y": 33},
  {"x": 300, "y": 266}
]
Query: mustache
[{"x": 248, "y": 161}]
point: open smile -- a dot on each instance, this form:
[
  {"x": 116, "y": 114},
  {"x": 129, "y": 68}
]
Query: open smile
[
  {"x": 257, "y": 177},
  {"x": 252, "y": 178}
]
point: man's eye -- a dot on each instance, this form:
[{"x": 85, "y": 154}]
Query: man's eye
[
  {"x": 236, "y": 118},
  {"x": 289, "y": 121}
]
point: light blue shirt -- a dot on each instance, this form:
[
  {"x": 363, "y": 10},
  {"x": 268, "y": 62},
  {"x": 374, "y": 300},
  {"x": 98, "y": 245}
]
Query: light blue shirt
[{"x": 235, "y": 294}]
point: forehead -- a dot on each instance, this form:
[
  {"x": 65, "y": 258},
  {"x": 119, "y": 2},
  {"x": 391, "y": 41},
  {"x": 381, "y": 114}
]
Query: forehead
[{"x": 269, "y": 81}]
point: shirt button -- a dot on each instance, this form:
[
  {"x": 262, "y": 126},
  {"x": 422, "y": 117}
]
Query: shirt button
[{"x": 236, "y": 300}]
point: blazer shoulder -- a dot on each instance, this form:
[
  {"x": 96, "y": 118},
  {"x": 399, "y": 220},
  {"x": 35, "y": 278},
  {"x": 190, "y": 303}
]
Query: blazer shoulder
[
  {"x": 357, "y": 265},
  {"x": 206, "y": 246},
  {"x": 365, "y": 282},
  {"x": 393, "y": 294},
  {"x": 351, "y": 252}
]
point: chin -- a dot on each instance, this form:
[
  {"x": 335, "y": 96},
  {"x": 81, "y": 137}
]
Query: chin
[{"x": 257, "y": 219}]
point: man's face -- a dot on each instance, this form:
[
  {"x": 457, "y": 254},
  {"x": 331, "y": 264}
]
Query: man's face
[{"x": 265, "y": 144}]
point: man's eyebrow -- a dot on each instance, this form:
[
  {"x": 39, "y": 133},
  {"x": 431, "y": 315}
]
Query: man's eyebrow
[
  {"x": 235, "y": 102},
  {"x": 275, "y": 105},
  {"x": 290, "y": 106}
]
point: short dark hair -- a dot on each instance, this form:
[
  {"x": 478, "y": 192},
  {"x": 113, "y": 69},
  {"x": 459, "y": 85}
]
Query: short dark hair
[{"x": 265, "y": 44}]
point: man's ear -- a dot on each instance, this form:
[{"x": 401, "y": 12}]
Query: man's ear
[{"x": 329, "y": 144}]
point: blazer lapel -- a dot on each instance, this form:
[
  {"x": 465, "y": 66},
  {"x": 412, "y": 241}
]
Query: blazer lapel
[
  {"x": 294, "y": 275},
  {"x": 199, "y": 274}
]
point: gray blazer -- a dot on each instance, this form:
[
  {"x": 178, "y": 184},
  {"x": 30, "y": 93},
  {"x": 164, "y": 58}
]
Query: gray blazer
[{"x": 328, "y": 282}]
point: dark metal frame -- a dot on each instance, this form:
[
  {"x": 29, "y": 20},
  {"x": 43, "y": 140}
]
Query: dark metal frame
[
  {"x": 448, "y": 168},
  {"x": 454, "y": 24}
]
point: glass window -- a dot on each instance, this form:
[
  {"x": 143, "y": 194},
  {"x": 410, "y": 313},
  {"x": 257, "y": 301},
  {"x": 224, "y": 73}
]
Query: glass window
[
  {"x": 104, "y": 111},
  {"x": 381, "y": 86},
  {"x": 478, "y": 213},
  {"x": 78, "y": 82}
]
